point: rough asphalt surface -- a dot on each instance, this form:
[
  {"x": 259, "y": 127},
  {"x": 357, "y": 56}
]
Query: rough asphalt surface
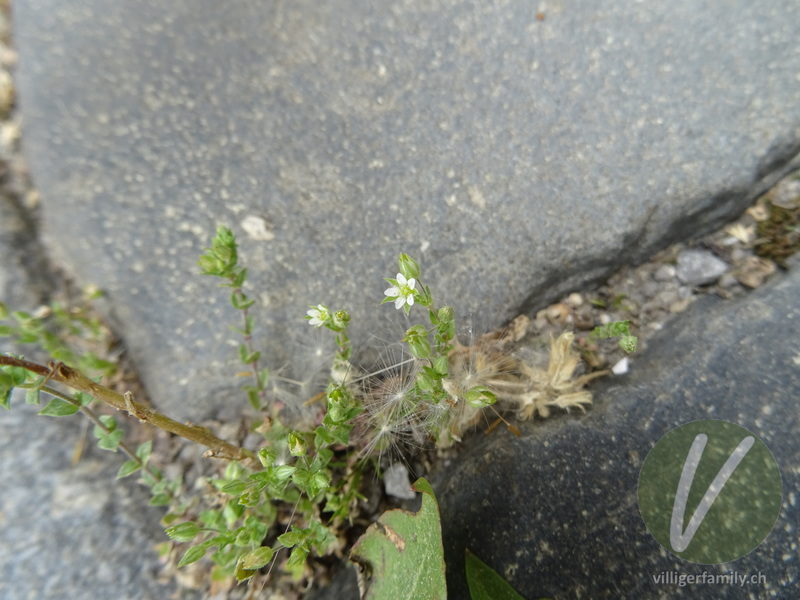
[{"x": 518, "y": 158}]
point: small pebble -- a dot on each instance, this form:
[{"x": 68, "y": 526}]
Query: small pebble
[
  {"x": 699, "y": 267},
  {"x": 754, "y": 271},
  {"x": 727, "y": 281},
  {"x": 679, "y": 305},
  {"x": 558, "y": 313},
  {"x": 397, "y": 483},
  {"x": 664, "y": 273},
  {"x": 574, "y": 300},
  {"x": 621, "y": 367}
]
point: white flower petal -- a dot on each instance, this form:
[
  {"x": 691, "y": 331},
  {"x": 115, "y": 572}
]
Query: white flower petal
[
  {"x": 410, "y": 300},
  {"x": 412, "y": 282},
  {"x": 398, "y": 304},
  {"x": 392, "y": 292},
  {"x": 401, "y": 280}
]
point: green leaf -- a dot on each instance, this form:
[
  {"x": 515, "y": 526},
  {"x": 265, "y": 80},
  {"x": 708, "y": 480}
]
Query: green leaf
[
  {"x": 3, "y": 311},
  {"x": 160, "y": 500},
  {"x": 111, "y": 441},
  {"x": 408, "y": 266},
  {"x": 485, "y": 583},
  {"x": 193, "y": 554},
  {"x": 59, "y": 408},
  {"x": 628, "y": 343},
  {"x": 234, "y": 488},
  {"x": 144, "y": 450},
  {"x": 480, "y": 396},
  {"x": 257, "y": 558},
  {"x": 239, "y": 301},
  {"x": 402, "y": 554},
  {"x": 128, "y": 467},
  {"x": 250, "y": 498},
  {"x": 253, "y": 397},
  {"x": 32, "y": 396},
  {"x": 109, "y": 421},
  {"x": 297, "y": 444},
  {"x": 183, "y": 532},
  {"x": 19, "y": 375},
  {"x": 293, "y": 537}
]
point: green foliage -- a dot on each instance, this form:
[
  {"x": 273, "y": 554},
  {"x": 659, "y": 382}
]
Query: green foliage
[
  {"x": 221, "y": 260},
  {"x": 402, "y": 554},
  {"x": 293, "y": 499},
  {"x": 620, "y": 329}
]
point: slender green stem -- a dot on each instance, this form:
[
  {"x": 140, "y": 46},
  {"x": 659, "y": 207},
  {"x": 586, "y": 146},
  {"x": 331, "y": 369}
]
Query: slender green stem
[{"x": 247, "y": 337}]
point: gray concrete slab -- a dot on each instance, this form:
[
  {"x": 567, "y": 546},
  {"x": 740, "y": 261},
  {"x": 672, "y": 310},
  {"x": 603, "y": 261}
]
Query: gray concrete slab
[{"x": 517, "y": 158}]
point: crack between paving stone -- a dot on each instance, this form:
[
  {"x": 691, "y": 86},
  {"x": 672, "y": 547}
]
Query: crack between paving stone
[{"x": 592, "y": 273}]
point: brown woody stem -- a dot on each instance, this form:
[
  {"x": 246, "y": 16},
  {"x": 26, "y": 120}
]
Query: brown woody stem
[{"x": 76, "y": 380}]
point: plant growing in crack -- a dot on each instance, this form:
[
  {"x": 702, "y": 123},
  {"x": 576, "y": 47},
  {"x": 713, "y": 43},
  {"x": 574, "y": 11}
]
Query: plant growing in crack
[{"x": 281, "y": 507}]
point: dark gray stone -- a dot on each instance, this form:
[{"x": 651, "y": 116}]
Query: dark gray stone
[
  {"x": 516, "y": 158},
  {"x": 556, "y": 511}
]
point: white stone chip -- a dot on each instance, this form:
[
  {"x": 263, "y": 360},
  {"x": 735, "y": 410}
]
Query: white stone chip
[
  {"x": 621, "y": 367},
  {"x": 396, "y": 482}
]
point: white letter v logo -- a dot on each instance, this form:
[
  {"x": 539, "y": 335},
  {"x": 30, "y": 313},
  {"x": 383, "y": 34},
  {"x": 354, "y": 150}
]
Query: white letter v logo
[{"x": 679, "y": 539}]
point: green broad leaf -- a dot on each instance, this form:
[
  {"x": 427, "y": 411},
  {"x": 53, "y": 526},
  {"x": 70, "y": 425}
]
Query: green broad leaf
[
  {"x": 253, "y": 398},
  {"x": 193, "y": 554},
  {"x": 250, "y": 498},
  {"x": 240, "y": 301},
  {"x": 408, "y": 266},
  {"x": 90, "y": 362},
  {"x": 83, "y": 398},
  {"x": 267, "y": 456},
  {"x": 401, "y": 555},
  {"x": 183, "y": 532},
  {"x": 144, "y": 450},
  {"x": 479, "y": 397},
  {"x": 293, "y": 537},
  {"x": 257, "y": 558},
  {"x": 249, "y": 323},
  {"x": 485, "y": 583},
  {"x": 21, "y": 316},
  {"x": 234, "y": 488},
  {"x": 297, "y": 557},
  {"x": 629, "y": 343},
  {"x": 27, "y": 338},
  {"x": 232, "y": 512},
  {"x": 6, "y": 331},
  {"x": 441, "y": 365},
  {"x": 128, "y": 468},
  {"x": 18, "y": 375},
  {"x": 160, "y": 500},
  {"x": 107, "y": 420},
  {"x": 111, "y": 441},
  {"x": 59, "y": 408},
  {"x": 243, "y": 574}
]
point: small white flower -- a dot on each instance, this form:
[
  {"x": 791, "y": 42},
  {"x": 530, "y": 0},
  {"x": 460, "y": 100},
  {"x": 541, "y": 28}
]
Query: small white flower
[
  {"x": 318, "y": 316},
  {"x": 402, "y": 292}
]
